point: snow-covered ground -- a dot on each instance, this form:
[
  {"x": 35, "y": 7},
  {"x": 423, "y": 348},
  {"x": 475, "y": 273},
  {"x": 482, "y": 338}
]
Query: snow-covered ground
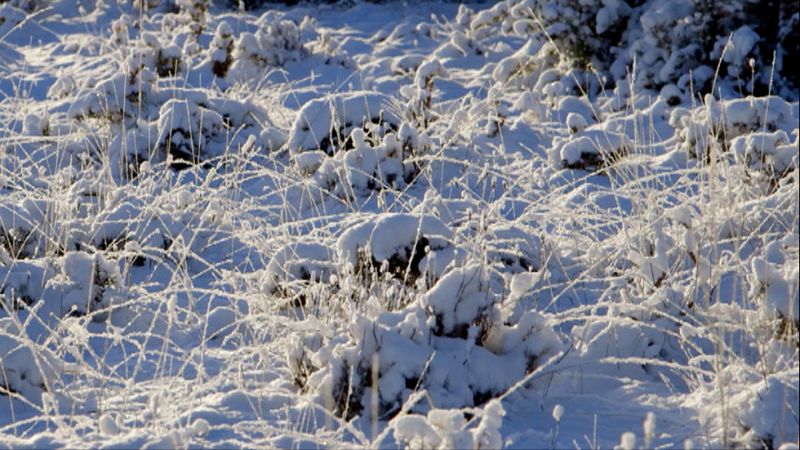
[{"x": 400, "y": 224}]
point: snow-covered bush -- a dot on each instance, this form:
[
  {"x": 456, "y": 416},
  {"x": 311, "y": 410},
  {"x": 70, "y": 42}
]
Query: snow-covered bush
[
  {"x": 119, "y": 97},
  {"x": 326, "y": 123},
  {"x": 294, "y": 266},
  {"x": 365, "y": 167},
  {"x": 36, "y": 125},
  {"x": 419, "y": 95},
  {"x": 774, "y": 286},
  {"x": 185, "y": 129},
  {"x": 519, "y": 69},
  {"x": 768, "y": 155},
  {"x": 148, "y": 53},
  {"x": 22, "y": 281},
  {"x": 595, "y": 148},
  {"x": 156, "y": 6},
  {"x": 24, "y": 227},
  {"x": 169, "y": 61},
  {"x": 353, "y": 144},
  {"x": 195, "y": 14},
  {"x": 588, "y": 33},
  {"x": 456, "y": 342},
  {"x": 694, "y": 35},
  {"x": 460, "y": 301},
  {"x": 327, "y": 48},
  {"x": 221, "y": 50},
  {"x": 88, "y": 283},
  {"x": 403, "y": 245},
  {"x": 273, "y": 45},
  {"x": 760, "y": 413},
  {"x": 670, "y": 42},
  {"x": 384, "y": 224},
  {"x": 708, "y": 130}
]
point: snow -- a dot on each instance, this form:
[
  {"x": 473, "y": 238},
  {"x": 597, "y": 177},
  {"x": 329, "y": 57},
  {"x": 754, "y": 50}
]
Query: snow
[
  {"x": 523, "y": 224},
  {"x": 740, "y": 45},
  {"x": 558, "y": 412},
  {"x": 627, "y": 441},
  {"x": 448, "y": 429}
]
